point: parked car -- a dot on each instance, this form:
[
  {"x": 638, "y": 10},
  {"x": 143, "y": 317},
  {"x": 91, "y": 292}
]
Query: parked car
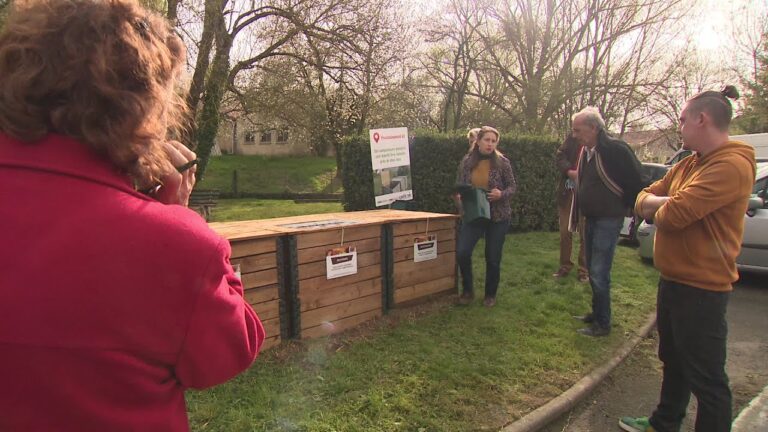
[
  {"x": 754, "y": 245},
  {"x": 650, "y": 173},
  {"x": 679, "y": 155}
]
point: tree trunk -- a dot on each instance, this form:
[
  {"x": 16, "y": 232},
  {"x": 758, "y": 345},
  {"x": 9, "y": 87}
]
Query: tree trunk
[{"x": 208, "y": 123}]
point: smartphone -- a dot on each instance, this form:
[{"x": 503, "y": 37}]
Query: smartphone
[{"x": 188, "y": 165}]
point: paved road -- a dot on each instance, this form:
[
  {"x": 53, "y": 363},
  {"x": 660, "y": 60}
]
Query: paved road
[{"x": 633, "y": 388}]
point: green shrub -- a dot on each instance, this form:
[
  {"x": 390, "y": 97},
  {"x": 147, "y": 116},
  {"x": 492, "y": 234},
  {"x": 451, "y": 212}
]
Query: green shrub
[{"x": 434, "y": 163}]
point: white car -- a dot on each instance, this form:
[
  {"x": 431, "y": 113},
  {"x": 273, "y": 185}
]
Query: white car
[
  {"x": 650, "y": 173},
  {"x": 754, "y": 245}
]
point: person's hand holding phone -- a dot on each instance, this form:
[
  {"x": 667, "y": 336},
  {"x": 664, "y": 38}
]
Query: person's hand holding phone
[{"x": 178, "y": 183}]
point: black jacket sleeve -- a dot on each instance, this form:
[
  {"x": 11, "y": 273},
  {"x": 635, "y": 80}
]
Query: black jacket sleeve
[{"x": 623, "y": 167}]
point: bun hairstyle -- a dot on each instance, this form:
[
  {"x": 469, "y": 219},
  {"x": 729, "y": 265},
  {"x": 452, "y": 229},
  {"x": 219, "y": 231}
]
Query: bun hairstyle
[
  {"x": 472, "y": 137},
  {"x": 716, "y": 104},
  {"x": 730, "y": 92}
]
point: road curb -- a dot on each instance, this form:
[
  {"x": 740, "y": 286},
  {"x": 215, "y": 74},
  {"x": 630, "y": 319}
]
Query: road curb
[
  {"x": 754, "y": 417},
  {"x": 558, "y": 406}
]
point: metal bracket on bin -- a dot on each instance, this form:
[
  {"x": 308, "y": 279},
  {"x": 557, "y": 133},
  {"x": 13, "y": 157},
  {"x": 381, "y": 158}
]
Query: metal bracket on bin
[
  {"x": 289, "y": 295},
  {"x": 457, "y": 229},
  {"x": 387, "y": 264}
]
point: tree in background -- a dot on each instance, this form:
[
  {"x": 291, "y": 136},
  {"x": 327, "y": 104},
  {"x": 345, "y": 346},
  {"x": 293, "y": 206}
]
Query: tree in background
[
  {"x": 232, "y": 40},
  {"x": 754, "y": 117},
  {"x": 451, "y": 59},
  {"x": 330, "y": 68},
  {"x": 4, "y": 6}
]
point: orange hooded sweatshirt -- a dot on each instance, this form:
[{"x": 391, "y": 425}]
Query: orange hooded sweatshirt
[{"x": 699, "y": 229}]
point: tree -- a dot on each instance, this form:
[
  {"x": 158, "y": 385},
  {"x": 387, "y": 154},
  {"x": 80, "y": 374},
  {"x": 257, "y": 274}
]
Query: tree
[
  {"x": 256, "y": 31},
  {"x": 452, "y": 58},
  {"x": 555, "y": 55},
  {"x": 754, "y": 118},
  {"x": 5, "y": 6}
]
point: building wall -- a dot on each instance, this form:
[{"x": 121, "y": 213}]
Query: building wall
[{"x": 244, "y": 139}]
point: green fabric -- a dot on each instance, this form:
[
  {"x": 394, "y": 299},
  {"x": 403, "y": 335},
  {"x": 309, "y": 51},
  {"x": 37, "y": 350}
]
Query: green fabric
[
  {"x": 635, "y": 424},
  {"x": 474, "y": 203}
]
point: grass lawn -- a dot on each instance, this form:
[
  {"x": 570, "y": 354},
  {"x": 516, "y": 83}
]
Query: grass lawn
[
  {"x": 249, "y": 209},
  {"x": 442, "y": 367},
  {"x": 259, "y": 174}
]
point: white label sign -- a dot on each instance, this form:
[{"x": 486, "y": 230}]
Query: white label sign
[
  {"x": 424, "y": 248},
  {"x": 340, "y": 262},
  {"x": 391, "y": 163}
]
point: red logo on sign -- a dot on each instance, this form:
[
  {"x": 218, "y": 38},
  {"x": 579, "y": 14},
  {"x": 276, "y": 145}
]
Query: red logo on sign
[{"x": 376, "y": 137}]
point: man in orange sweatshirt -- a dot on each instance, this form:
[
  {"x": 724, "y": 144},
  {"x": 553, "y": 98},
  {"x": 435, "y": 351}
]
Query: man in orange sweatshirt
[{"x": 698, "y": 209}]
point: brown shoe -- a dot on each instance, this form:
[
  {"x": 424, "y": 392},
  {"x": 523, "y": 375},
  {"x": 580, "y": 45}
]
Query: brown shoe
[
  {"x": 489, "y": 302},
  {"x": 583, "y": 278},
  {"x": 466, "y": 299},
  {"x": 561, "y": 272}
]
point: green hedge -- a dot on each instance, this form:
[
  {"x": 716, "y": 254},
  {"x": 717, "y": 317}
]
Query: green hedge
[{"x": 434, "y": 163}]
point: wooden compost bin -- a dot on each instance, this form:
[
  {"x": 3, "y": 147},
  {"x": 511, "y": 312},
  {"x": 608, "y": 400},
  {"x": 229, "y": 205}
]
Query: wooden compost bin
[
  {"x": 258, "y": 252},
  {"x": 415, "y": 281},
  {"x": 322, "y": 306},
  {"x": 283, "y": 266}
]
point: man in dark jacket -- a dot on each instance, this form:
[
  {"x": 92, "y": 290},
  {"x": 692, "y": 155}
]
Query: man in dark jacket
[
  {"x": 566, "y": 160},
  {"x": 609, "y": 180}
]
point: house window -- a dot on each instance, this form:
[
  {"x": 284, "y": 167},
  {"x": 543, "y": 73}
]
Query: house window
[
  {"x": 282, "y": 136},
  {"x": 266, "y": 137},
  {"x": 250, "y": 137}
]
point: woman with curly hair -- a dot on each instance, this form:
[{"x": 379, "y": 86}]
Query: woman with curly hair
[{"x": 112, "y": 301}]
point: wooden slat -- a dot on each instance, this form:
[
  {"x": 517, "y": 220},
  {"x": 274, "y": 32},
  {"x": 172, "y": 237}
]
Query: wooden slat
[
  {"x": 267, "y": 310},
  {"x": 318, "y": 253},
  {"x": 410, "y": 273},
  {"x": 242, "y": 230},
  {"x": 407, "y": 240},
  {"x": 403, "y": 228},
  {"x": 261, "y": 294},
  {"x": 424, "y": 289},
  {"x": 254, "y": 263},
  {"x": 321, "y": 283},
  {"x": 333, "y": 237},
  {"x": 317, "y": 299},
  {"x": 406, "y": 253},
  {"x": 270, "y": 342},
  {"x": 260, "y": 278},
  {"x": 318, "y": 268},
  {"x": 442, "y": 260},
  {"x": 339, "y": 325},
  {"x": 243, "y": 248},
  {"x": 271, "y": 327},
  {"x": 333, "y": 313}
]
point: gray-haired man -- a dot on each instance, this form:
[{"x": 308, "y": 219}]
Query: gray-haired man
[{"x": 608, "y": 182}]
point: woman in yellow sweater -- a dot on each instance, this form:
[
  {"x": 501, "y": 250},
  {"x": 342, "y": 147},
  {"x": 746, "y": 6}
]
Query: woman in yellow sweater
[{"x": 486, "y": 168}]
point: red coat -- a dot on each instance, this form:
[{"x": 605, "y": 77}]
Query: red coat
[{"x": 111, "y": 303}]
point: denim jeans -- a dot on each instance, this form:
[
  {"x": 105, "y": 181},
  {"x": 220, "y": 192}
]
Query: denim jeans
[
  {"x": 600, "y": 238},
  {"x": 692, "y": 337},
  {"x": 469, "y": 234}
]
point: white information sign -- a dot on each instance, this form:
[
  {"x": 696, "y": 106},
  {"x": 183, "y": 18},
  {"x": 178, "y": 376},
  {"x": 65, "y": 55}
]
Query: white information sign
[
  {"x": 341, "y": 261},
  {"x": 424, "y": 248},
  {"x": 391, "y": 163}
]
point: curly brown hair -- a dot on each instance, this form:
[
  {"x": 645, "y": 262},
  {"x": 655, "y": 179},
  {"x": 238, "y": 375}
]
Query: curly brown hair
[{"x": 100, "y": 71}]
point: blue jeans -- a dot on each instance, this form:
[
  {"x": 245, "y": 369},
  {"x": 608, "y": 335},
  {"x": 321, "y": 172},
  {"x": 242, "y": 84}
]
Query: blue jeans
[
  {"x": 469, "y": 234},
  {"x": 600, "y": 237}
]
